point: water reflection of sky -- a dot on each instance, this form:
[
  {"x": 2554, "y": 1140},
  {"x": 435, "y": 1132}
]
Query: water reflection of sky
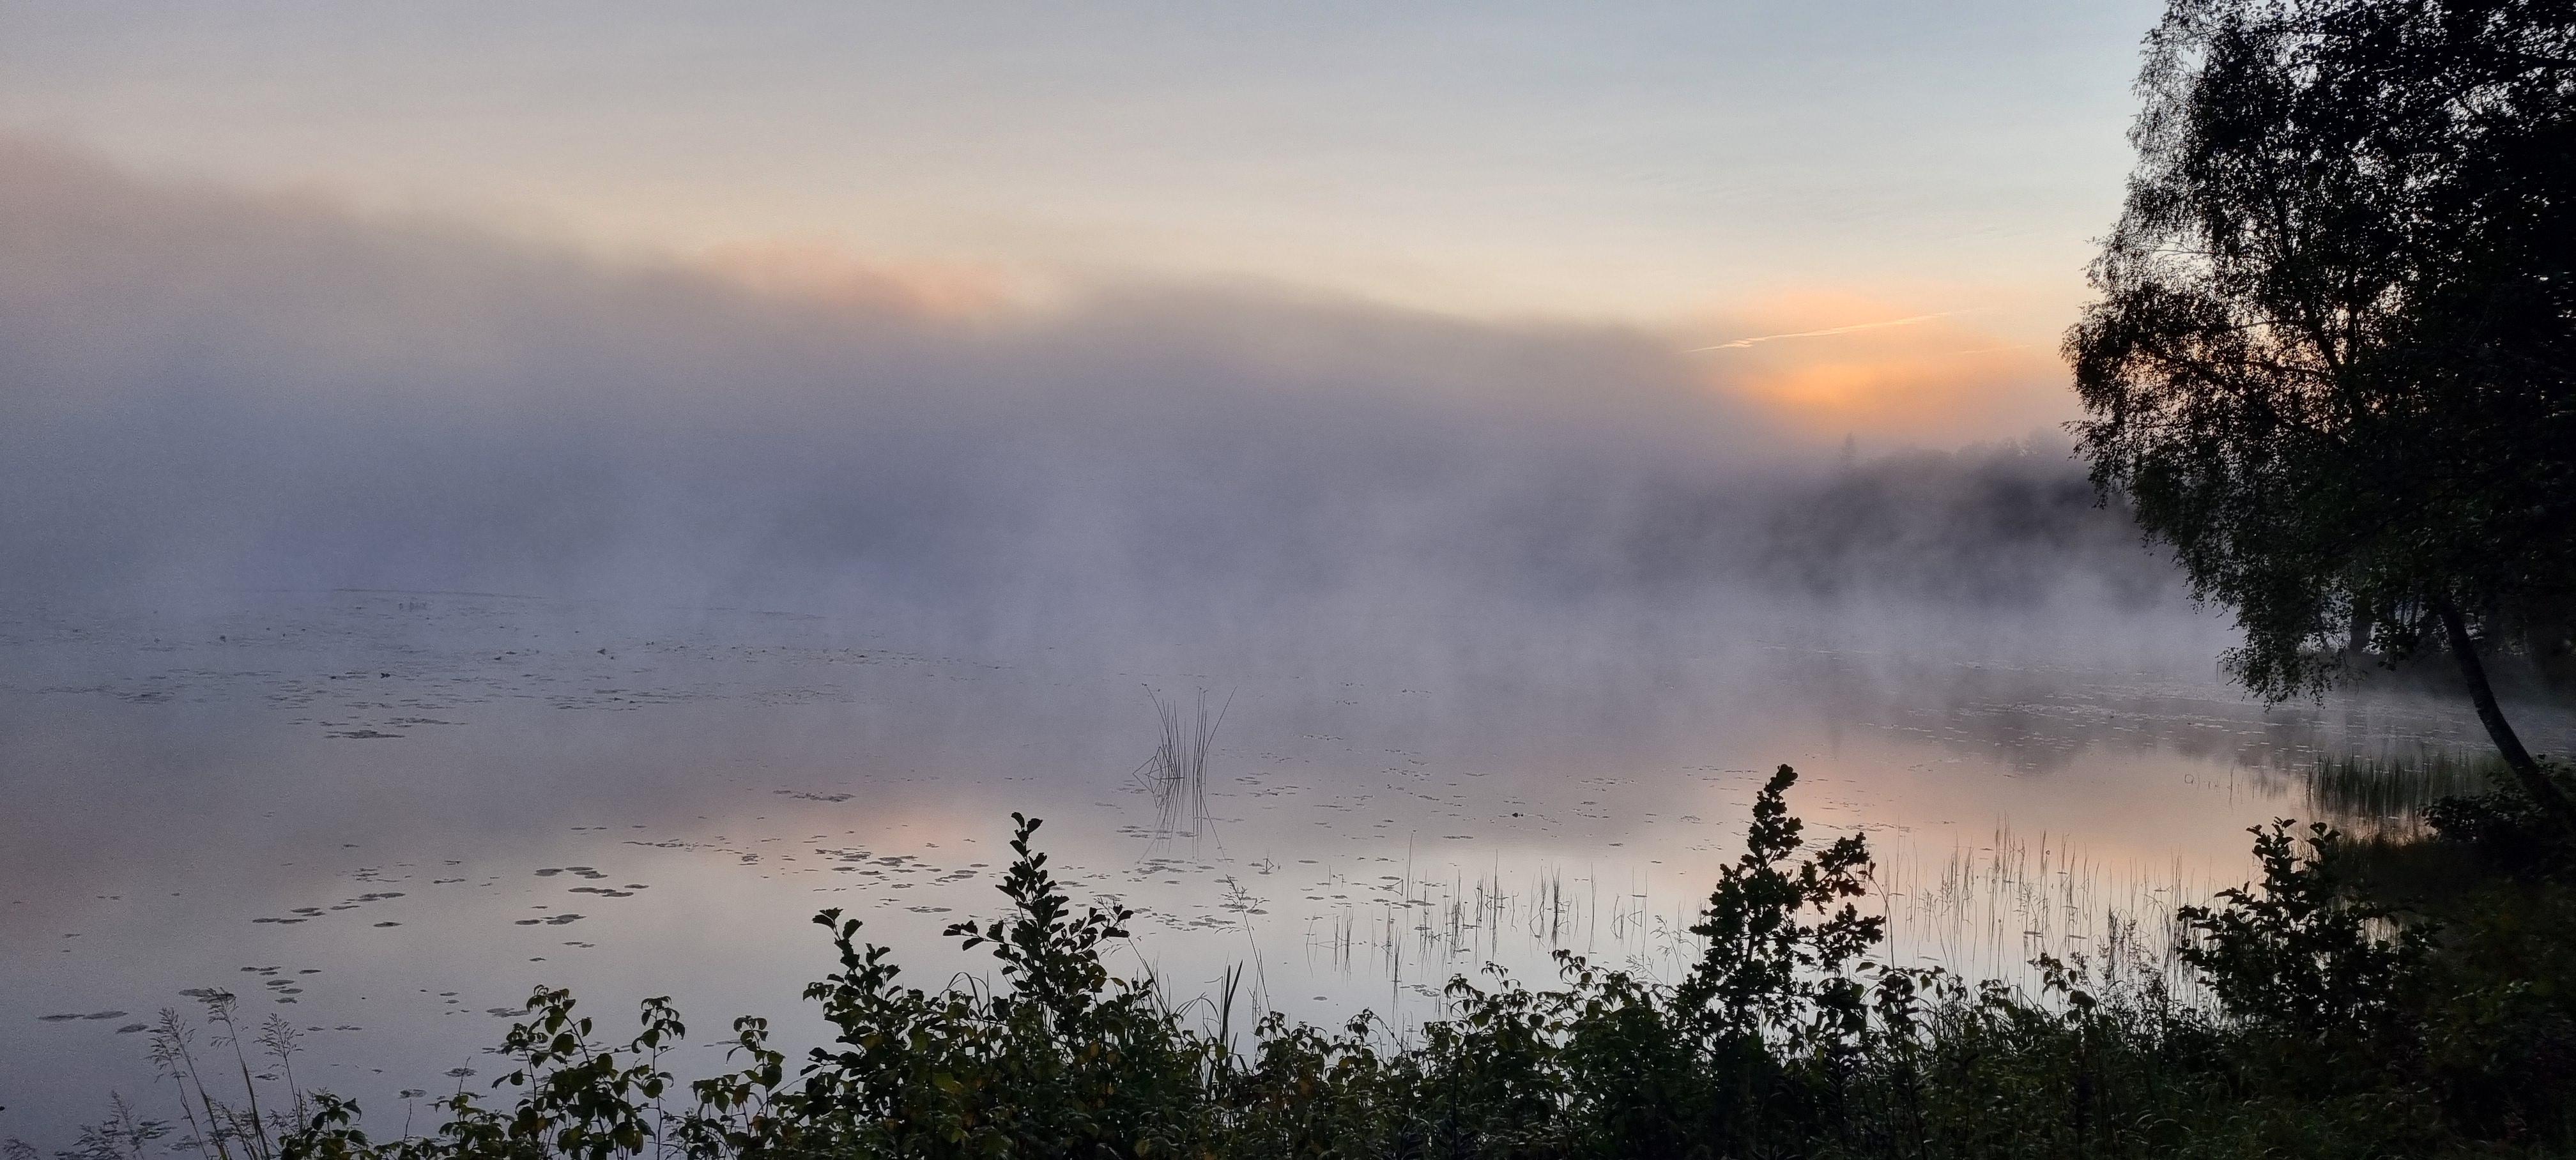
[{"x": 386, "y": 816}]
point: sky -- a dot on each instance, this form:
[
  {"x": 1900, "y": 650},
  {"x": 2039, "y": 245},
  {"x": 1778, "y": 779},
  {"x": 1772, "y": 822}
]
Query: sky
[{"x": 1871, "y": 218}]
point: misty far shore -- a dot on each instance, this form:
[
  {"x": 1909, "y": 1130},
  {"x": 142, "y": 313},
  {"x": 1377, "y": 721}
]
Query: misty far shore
[{"x": 235, "y": 392}]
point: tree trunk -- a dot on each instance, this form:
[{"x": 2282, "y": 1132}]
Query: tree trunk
[
  {"x": 2356, "y": 646},
  {"x": 2526, "y": 772}
]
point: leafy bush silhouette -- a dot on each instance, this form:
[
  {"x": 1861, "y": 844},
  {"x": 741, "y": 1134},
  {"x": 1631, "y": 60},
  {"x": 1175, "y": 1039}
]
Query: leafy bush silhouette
[{"x": 2300, "y": 954}]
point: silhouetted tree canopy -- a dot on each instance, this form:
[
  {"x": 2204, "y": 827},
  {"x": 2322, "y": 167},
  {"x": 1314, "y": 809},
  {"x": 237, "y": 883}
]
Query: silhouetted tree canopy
[{"x": 2331, "y": 358}]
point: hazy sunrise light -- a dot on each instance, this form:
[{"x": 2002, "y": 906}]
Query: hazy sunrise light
[
  {"x": 1228, "y": 581},
  {"x": 1697, "y": 172}
]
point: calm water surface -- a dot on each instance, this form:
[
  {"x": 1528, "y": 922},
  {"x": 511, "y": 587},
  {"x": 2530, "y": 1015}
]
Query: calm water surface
[{"x": 388, "y": 815}]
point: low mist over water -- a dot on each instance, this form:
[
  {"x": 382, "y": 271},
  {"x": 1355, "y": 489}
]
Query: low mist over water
[
  {"x": 398, "y": 617},
  {"x": 690, "y": 582},
  {"x": 210, "y": 392}
]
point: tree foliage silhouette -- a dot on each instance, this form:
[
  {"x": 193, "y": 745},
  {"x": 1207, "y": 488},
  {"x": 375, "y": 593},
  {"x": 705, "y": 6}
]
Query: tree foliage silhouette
[{"x": 2333, "y": 357}]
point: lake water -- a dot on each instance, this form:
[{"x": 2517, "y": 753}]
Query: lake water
[{"x": 387, "y": 815}]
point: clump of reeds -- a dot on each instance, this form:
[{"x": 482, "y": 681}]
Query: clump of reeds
[
  {"x": 216, "y": 1127},
  {"x": 2391, "y": 791},
  {"x": 1175, "y": 775}
]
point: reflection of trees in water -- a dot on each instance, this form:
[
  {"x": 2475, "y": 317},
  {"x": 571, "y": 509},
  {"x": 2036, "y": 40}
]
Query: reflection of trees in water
[{"x": 2040, "y": 720}]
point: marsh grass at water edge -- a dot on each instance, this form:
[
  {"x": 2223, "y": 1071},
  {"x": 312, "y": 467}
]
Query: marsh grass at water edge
[{"x": 2291, "y": 1016}]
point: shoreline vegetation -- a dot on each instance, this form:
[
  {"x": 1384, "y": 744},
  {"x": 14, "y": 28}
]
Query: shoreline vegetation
[{"x": 2407, "y": 993}]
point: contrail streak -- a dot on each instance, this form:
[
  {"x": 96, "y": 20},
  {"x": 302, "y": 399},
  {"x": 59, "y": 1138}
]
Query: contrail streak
[{"x": 1744, "y": 342}]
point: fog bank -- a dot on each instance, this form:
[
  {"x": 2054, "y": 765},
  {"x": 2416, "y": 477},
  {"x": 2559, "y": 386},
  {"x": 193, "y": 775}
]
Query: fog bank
[{"x": 206, "y": 391}]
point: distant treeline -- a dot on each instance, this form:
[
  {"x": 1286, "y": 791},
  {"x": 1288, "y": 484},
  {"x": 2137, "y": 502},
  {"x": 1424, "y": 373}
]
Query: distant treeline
[
  {"x": 2003, "y": 524},
  {"x": 2012, "y": 524}
]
